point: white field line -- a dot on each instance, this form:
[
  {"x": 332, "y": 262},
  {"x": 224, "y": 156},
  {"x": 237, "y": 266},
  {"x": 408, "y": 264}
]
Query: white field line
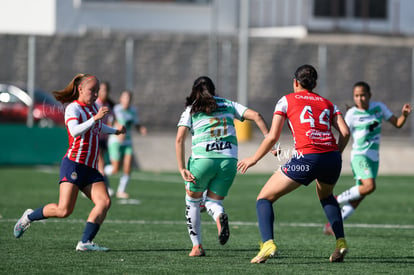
[{"x": 232, "y": 223}]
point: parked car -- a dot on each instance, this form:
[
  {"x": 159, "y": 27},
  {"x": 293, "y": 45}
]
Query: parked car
[{"x": 15, "y": 102}]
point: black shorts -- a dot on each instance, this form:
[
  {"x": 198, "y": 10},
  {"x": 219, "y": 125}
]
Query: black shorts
[
  {"x": 325, "y": 167},
  {"x": 79, "y": 174}
]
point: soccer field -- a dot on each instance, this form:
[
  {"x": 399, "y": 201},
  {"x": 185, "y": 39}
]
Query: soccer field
[{"x": 151, "y": 237}]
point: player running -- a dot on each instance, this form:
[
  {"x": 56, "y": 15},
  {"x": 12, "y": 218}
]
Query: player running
[
  {"x": 78, "y": 170},
  {"x": 365, "y": 121},
  {"x": 213, "y": 162},
  {"x": 120, "y": 148},
  {"x": 318, "y": 156}
]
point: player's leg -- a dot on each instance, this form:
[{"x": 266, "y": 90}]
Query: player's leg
[
  {"x": 218, "y": 188},
  {"x": 277, "y": 186},
  {"x": 201, "y": 169},
  {"x": 328, "y": 171},
  {"x": 124, "y": 180},
  {"x": 67, "y": 199},
  {"x": 365, "y": 171},
  {"x": 98, "y": 194},
  {"x": 193, "y": 219}
]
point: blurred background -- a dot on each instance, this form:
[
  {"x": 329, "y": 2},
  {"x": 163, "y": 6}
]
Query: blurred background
[{"x": 250, "y": 48}]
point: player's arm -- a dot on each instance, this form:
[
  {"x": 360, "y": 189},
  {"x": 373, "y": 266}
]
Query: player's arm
[
  {"x": 268, "y": 142},
  {"x": 258, "y": 119},
  {"x": 182, "y": 133},
  {"x": 110, "y": 130},
  {"x": 400, "y": 121},
  {"x": 343, "y": 129}
]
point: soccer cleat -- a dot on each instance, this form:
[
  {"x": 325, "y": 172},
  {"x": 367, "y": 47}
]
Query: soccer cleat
[
  {"x": 90, "y": 246},
  {"x": 340, "y": 251},
  {"x": 122, "y": 195},
  {"x": 223, "y": 228},
  {"x": 327, "y": 230},
  {"x": 197, "y": 251},
  {"x": 267, "y": 250},
  {"x": 22, "y": 224}
]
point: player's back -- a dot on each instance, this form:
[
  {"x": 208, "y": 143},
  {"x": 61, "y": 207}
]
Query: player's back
[{"x": 310, "y": 119}]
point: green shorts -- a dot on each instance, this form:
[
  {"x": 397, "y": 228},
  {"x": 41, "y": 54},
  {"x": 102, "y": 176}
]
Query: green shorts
[
  {"x": 116, "y": 151},
  {"x": 364, "y": 168},
  {"x": 216, "y": 175}
]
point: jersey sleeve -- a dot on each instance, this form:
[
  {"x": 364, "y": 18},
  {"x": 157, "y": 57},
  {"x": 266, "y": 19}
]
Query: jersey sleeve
[
  {"x": 348, "y": 117},
  {"x": 336, "y": 110},
  {"x": 385, "y": 111},
  {"x": 185, "y": 119},
  {"x": 71, "y": 113},
  {"x": 281, "y": 107},
  {"x": 239, "y": 110}
]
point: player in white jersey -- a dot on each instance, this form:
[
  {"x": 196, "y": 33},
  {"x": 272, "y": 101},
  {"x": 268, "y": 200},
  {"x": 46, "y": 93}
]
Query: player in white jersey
[
  {"x": 365, "y": 121},
  {"x": 120, "y": 148},
  {"x": 78, "y": 169},
  {"x": 213, "y": 162}
]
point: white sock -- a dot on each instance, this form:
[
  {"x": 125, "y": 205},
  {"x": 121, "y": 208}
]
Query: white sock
[
  {"x": 349, "y": 195},
  {"x": 123, "y": 182},
  {"x": 347, "y": 210},
  {"x": 214, "y": 207},
  {"x": 192, "y": 214}
]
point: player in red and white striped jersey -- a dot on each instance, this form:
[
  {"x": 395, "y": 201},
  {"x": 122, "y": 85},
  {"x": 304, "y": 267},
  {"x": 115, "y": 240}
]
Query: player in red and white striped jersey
[{"x": 78, "y": 169}]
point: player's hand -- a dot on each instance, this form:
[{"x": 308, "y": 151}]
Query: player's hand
[
  {"x": 102, "y": 112},
  {"x": 121, "y": 130},
  {"x": 406, "y": 110},
  {"x": 244, "y": 164},
  {"x": 187, "y": 176}
]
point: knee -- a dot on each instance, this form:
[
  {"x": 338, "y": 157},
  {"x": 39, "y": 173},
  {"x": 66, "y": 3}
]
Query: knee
[
  {"x": 104, "y": 203},
  {"x": 64, "y": 213},
  {"x": 368, "y": 189}
]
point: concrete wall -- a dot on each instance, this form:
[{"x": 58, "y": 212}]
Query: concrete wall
[{"x": 165, "y": 66}]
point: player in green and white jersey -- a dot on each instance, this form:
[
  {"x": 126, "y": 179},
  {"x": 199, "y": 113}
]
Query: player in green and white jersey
[
  {"x": 120, "y": 148},
  {"x": 365, "y": 121},
  {"x": 213, "y": 162}
]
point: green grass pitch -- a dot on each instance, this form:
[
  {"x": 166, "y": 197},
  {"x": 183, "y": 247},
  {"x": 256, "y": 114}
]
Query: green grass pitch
[{"x": 151, "y": 237}]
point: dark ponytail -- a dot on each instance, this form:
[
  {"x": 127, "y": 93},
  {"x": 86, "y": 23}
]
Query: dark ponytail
[
  {"x": 306, "y": 75},
  {"x": 201, "y": 98}
]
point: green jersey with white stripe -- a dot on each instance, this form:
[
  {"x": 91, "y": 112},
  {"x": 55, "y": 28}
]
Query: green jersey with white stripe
[
  {"x": 125, "y": 117},
  {"x": 365, "y": 126},
  {"x": 214, "y": 136}
]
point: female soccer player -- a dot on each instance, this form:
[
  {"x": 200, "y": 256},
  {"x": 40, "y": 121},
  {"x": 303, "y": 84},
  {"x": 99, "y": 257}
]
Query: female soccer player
[
  {"x": 365, "y": 121},
  {"x": 103, "y": 100},
  {"x": 318, "y": 156},
  {"x": 121, "y": 146},
  {"x": 78, "y": 170},
  {"x": 213, "y": 162}
]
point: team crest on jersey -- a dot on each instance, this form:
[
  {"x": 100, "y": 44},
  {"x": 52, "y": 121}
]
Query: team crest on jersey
[{"x": 74, "y": 175}]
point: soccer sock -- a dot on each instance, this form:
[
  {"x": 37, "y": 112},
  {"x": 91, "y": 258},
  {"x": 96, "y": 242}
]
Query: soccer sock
[
  {"x": 192, "y": 214},
  {"x": 333, "y": 213},
  {"x": 349, "y": 195},
  {"x": 37, "y": 215},
  {"x": 90, "y": 232},
  {"x": 347, "y": 210},
  {"x": 214, "y": 207},
  {"x": 266, "y": 218},
  {"x": 123, "y": 182}
]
